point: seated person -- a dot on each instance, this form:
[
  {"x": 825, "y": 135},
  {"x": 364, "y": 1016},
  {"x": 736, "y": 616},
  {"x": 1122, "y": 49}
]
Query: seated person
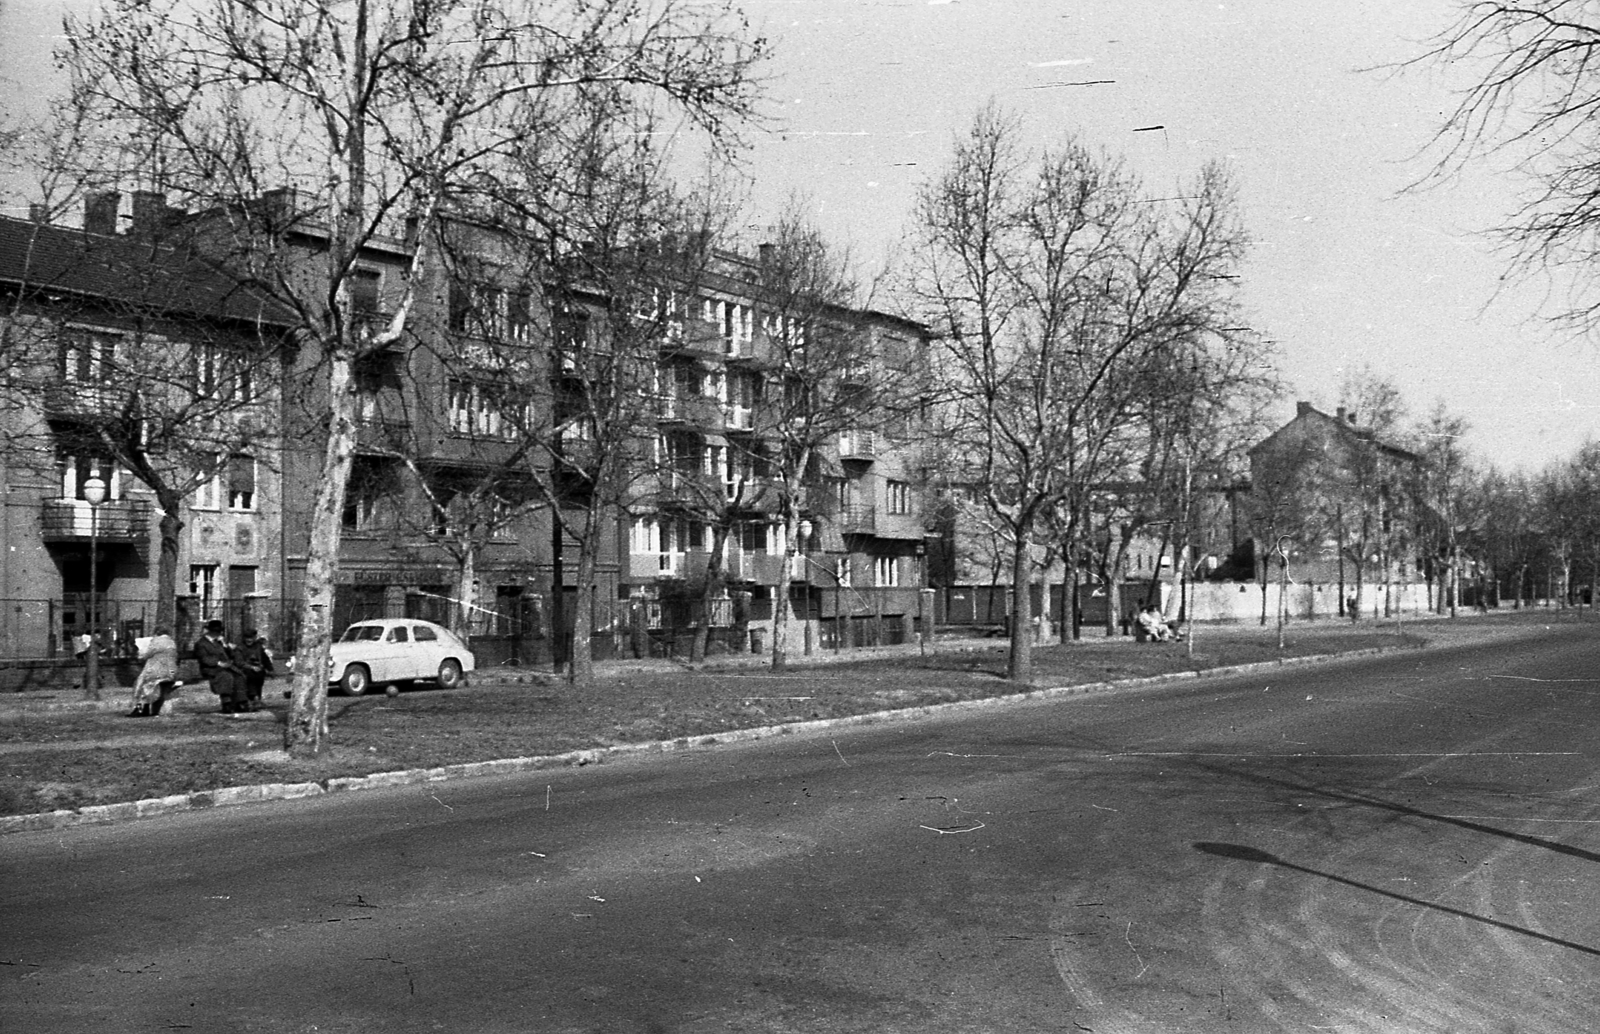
[{"x": 1152, "y": 626}]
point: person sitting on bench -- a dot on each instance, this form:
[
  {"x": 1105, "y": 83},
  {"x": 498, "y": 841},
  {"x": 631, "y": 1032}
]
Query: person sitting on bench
[{"x": 1152, "y": 627}]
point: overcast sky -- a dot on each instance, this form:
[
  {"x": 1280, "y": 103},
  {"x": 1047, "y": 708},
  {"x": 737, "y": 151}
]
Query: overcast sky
[{"x": 1346, "y": 269}]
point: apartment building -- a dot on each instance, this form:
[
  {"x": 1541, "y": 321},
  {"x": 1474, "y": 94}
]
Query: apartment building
[
  {"x": 760, "y": 400},
  {"x": 133, "y": 371}
]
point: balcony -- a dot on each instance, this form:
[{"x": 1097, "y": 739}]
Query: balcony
[
  {"x": 691, "y": 339},
  {"x": 121, "y": 520},
  {"x": 698, "y": 410},
  {"x": 71, "y": 398},
  {"x": 858, "y": 445},
  {"x": 690, "y": 487},
  {"x": 858, "y": 520}
]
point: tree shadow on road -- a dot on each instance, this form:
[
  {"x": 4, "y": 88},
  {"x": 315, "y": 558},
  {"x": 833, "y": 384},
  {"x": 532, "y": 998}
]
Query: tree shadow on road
[{"x": 1244, "y": 853}]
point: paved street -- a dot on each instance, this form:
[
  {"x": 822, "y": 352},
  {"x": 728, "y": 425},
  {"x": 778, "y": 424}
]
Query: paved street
[{"x": 1402, "y": 844}]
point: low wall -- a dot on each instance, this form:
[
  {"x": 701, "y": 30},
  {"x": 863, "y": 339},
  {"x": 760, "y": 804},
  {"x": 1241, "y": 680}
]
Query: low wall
[{"x": 1242, "y": 601}]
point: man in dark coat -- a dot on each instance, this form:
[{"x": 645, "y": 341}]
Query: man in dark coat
[
  {"x": 217, "y": 663},
  {"x": 256, "y": 661}
]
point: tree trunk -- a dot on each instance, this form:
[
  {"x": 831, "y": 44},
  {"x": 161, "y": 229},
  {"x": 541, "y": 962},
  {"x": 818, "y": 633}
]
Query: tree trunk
[
  {"x": 307, "y": 728},
  {"x": 466, "y": 591},
  {"x": 780, "y": 595},
  {"x": 714, "y": 582},
  {"x": 1020, "y": 667},
  {"x": 1069, "y": 594},
  {"x": 583, "y": 601},
  {"x": 166, "y": 615}
]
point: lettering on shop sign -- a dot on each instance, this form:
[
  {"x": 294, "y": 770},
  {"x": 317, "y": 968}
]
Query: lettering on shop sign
[{"x": 392, "y": 576}]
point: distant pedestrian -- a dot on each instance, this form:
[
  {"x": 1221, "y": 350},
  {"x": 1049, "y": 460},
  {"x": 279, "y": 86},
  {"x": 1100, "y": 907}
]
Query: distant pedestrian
[
  {"x": 219, "y": 665},
  {"x": 158, "y": 679},
  {"x": 256, "y": 660}
]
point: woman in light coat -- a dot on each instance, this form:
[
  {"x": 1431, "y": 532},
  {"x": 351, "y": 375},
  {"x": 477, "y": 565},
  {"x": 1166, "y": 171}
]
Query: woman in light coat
[{"x": 159, "y": 676}]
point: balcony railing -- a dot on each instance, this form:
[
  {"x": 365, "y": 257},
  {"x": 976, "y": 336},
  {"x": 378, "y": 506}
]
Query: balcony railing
[
  {"x": 858, "y": 519},
  {"x": 858, "y": 445},
  {"x": 120, "y": 520},
  {"x": 74, "y": 398},
  {"x": 700, "y": 410}
]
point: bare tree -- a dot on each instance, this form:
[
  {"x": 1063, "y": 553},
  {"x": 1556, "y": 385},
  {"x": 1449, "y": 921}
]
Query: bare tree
[
  {"x": 1533, "y": 92},
  {"x": 1438, "y": 489},
  {"x": 832, "y": 385},
  {"x": 1058, "y": 291},
  {"x": 373, "y": 111}
]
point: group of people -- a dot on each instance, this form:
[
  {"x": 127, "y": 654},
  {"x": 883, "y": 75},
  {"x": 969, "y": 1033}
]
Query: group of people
[
  {"x": 236, "y": 673},
  {"x": 1155, "y": 628}
]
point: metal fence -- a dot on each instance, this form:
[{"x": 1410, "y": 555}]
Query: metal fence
[{"x": 57, "y": 629}]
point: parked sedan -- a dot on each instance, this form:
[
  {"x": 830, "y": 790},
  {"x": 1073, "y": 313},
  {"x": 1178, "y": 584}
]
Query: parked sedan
[{"x": 371, "y": 653}]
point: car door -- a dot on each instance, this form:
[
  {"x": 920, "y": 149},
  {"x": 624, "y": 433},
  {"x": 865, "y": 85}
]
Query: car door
[
  {"x": 428, "y": 651},
  {"x": 392, "y": 662}
]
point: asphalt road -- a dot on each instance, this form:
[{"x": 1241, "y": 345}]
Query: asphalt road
[{"x": 1407, "y": 844}]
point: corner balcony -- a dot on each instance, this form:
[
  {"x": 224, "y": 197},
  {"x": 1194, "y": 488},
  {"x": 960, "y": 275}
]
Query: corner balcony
[
  {"x": 74, "y": 520},
  {"x": 858, "y": 445}
]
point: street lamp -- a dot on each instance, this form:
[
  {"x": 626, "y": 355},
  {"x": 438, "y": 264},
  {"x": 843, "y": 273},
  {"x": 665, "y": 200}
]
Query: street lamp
[
  {"x": 803, "y": 538},
  {"x": 94, "y": 493},
  {"x": 1283, "y": 583}
]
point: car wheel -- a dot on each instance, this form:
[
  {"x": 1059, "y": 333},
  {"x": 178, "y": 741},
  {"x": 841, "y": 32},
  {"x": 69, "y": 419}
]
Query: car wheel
[
  {"x": 450, "y": 674},
  {"x": 357, "y": 680}
]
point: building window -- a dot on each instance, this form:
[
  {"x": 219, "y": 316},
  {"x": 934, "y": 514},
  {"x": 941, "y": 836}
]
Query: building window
[
  {"x": 899, "y": 497},
  {"x": 88, "y": 357},
  {"x": 839, "y": 489},
  {"x": 221, "y": 373},
  {"x": 241, "y": 482},
  {"x": 75, "y": 470},
  {"x": 371, "y": 482},
  {"x": 366, "y": 288},
  {"x": 886, "y": 571},
  {"x": 203, "y": 586},
  {"x": 754, "y": 536},
  {"x": 490, "y": 312},
  {"x": 734, "y": 321}
]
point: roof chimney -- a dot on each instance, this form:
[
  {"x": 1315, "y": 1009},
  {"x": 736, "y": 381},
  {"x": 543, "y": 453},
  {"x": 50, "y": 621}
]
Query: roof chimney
[
  {"x": 100, "y": 212},
  {"x": 1351, "y": 415},
  {"x": 38, "y": 213},
  {"x": 1302, "y": 409},
  {"x": 149, "y": 211},
  {"x": 1341, "y": 414},
  {"x": 766, "y": 252}
]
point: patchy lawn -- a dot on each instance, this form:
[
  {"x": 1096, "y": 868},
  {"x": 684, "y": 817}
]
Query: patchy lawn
[{"x": 63, "y": 760}]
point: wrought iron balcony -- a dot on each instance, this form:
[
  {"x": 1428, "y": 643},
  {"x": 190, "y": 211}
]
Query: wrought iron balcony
[{"x": 119, "y": 520}]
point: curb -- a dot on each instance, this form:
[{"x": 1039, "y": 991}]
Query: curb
[{"x": 202, "y": 800}]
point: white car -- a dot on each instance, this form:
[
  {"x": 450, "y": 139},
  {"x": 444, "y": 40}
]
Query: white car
[{"x": 397, "y": 650}]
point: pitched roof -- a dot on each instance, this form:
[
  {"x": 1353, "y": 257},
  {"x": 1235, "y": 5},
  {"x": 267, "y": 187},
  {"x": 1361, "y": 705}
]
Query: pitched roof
[
  {"x": 1307, "y": 412},
  {"x": 41, "y": 257}
]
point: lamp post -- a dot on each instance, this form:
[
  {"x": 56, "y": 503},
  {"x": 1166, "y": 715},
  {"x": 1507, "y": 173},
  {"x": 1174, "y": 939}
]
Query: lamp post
[
  {"x": 1283, "y": 583},
  {"x": 94, "y": 493},
  {"x": 803, "y": 539}
]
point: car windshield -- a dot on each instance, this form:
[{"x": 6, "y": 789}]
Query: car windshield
[{"x": 362, "y": 634}]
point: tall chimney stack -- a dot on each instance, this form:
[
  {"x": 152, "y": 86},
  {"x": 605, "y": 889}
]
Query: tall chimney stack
[{"x": 100, "y": 212}]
